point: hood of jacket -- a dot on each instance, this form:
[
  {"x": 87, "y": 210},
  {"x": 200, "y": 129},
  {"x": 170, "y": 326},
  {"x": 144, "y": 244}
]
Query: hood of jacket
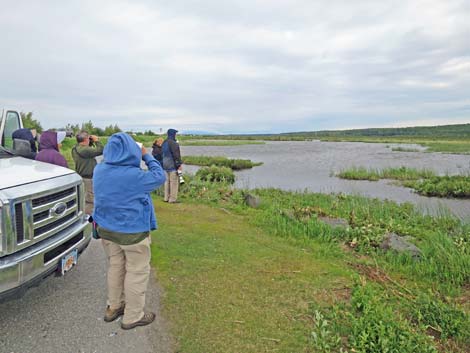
[
  {"x": 48, "y": 141},
  {"x": 23, "y": 134},
  {"x": 172, "y": 134},
  {"x": 121, "y": 149}
]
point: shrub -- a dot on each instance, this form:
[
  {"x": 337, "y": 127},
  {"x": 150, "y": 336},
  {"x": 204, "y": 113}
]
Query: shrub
[
  {"x": 217, "y": 174},
  {"x": 235, "y": 164}
]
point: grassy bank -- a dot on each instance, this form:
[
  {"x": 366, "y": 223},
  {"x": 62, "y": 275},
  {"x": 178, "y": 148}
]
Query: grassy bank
[
  {"x": 401, "y": 173},
  {"x": 423, "y": 181},
  {"x": 235, "y": 164},
  {"x": 278, "y": 278},
  {"x": 457, "y": 146}
]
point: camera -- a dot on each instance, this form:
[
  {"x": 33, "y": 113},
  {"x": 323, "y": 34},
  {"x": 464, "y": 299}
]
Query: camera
[{"x": 180, "y": 176}]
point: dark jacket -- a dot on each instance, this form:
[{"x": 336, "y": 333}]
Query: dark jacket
[
  {"x": 171, "y": 152},
  {"x": 157, "y": 153},
  {"x": 122, "y": 189},
  {"x": 49, "y": 150},
  {"x": 84, "y": 158}
]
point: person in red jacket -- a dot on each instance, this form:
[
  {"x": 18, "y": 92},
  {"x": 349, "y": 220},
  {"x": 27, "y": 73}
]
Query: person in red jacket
[{"x": 49, "y": 148}]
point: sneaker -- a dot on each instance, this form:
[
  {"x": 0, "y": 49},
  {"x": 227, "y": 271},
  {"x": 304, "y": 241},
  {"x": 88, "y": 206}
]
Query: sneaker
[
  {"x": 112, "y": 314},
  {"x": 177, "y": 201},
  {"x": 146, "y": 319}
]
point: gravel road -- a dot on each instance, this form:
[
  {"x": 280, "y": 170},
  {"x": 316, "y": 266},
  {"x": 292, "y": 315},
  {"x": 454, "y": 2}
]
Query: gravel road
[{"x": 65, "y": 315}]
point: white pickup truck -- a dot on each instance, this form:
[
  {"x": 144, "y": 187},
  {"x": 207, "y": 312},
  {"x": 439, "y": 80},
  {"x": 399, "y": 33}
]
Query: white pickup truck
[{"x": 43, "y": 226}]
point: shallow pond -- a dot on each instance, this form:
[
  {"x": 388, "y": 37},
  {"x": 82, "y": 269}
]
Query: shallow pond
[{"x": 311, "y": 165}]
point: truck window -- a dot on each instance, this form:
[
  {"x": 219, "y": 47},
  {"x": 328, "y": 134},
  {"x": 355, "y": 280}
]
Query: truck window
[{"x": 12, "y": 123}]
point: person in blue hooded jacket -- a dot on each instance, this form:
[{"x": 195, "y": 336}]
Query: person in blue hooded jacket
[
  {"x": 124, "y": 215},
  {"x": 172, "y": 165}
]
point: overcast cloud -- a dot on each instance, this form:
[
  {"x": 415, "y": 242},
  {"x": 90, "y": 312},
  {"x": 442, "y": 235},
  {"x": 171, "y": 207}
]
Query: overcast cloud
[{"x": 237, "y": 66}]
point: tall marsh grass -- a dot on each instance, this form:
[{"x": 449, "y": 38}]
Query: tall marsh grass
[{"x": 235, "y": 164}]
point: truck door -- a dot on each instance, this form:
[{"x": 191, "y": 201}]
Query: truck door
[{"x": 12, "y": 123}]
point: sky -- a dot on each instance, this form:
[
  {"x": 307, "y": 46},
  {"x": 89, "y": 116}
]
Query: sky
[{"x": 245, "y": 66}]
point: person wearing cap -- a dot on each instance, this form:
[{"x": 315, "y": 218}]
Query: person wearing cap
[
  {"x": 172, "y": 164},
  {"x": 49, "y": 146},
  {"x": 125, "y": 215},
  {"x": 83, "y": 153}
]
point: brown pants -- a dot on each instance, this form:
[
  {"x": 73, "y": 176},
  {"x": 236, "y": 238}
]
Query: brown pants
[
  {"x": 171, "y": 187},
  {"x": 128, "y": 275},
  {"x": 89, "y": 195}
]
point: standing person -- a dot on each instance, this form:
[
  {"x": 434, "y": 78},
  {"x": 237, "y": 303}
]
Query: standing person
[
  {"x": 157, "y": 150},
  {"x": 125, "y": 216},
  {"x": 172, "y": 164},
  {"x": 49, "y": 145},
  {"x": 83, "y": 153}
]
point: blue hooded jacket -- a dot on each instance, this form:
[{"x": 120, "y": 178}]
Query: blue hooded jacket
[{"x": 122, "y": 189}]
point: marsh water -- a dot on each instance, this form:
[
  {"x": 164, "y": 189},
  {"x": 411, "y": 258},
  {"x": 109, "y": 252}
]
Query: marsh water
[{"x": 311, "y": 165}]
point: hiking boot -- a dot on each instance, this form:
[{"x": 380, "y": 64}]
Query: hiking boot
[
  {"x": 112, "y": 314},
  {"x": 146, "y": 319}
]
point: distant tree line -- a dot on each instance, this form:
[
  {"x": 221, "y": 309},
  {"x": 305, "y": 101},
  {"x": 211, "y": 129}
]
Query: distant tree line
[
  {"x": 455, "y": 131},
  {"x": 31, "y": 123}
]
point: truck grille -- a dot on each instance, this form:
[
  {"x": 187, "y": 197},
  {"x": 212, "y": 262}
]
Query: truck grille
[
  {"x": 53, "y": 197},
  {"x": 19, "y": 223},
  {"x": 48, "y": 214}
]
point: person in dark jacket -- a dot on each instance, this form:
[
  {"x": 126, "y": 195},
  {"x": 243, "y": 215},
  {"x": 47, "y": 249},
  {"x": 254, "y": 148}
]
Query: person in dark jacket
[
  {"x": 83, "y": 153},
  {"x": 172, "y": 165},
  {"x": 157, "y": 150},
  {"x": 49, "y": 148},
  {"x": 124, "y": 215},
  {"x": 27, "y": 135}
]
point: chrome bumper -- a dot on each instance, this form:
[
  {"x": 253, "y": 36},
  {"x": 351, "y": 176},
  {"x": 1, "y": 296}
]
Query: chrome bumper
[{"x": 26, "y": 267}]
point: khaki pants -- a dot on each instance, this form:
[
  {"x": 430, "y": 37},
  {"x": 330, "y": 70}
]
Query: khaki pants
[
  {"x": 89, "y": 195},
  {"x": 171, "y": 187},
  {"x": 128, "y": 275}
]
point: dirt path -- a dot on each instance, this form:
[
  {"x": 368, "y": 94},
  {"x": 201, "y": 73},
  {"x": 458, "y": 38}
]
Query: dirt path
[{"x": 65, "y": 314}]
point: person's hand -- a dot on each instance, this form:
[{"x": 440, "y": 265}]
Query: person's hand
[
  {"x": 144, "y": 150},
  {"x": 94, "y": 138},
  {"x": 180, "y": 168}
]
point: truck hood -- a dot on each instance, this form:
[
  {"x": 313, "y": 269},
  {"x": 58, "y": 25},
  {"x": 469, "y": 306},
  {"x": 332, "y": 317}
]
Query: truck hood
[{"x": 18, "y": 171}]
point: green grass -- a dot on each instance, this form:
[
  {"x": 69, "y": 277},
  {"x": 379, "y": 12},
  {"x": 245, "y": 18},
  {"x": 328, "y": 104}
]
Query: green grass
[
  {"x": 443, "y": 186},
  {"x": 359, "y": 173},
  {"x": 278, "y": 279},
  {"x": 401, "y": 173},
  {"x": 231, "y": 287},
  {"x": 457, "y": 146},
  {"x": 235, "y": 164},
  {"x": 216, "y": 174},
  {"x": 423, "y": 181}
]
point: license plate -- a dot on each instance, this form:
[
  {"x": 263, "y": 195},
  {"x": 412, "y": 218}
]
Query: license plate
[{"x": 68, "y": 261}]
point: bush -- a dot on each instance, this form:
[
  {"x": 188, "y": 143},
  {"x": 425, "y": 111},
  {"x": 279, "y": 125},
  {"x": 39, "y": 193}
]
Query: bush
[
  {"x": 216, "y": 174},
  {"x": 235, "y": 164}
]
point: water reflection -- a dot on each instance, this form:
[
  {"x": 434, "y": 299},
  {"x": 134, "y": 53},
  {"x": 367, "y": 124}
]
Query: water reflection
[{"x": 311, "y": 165}]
